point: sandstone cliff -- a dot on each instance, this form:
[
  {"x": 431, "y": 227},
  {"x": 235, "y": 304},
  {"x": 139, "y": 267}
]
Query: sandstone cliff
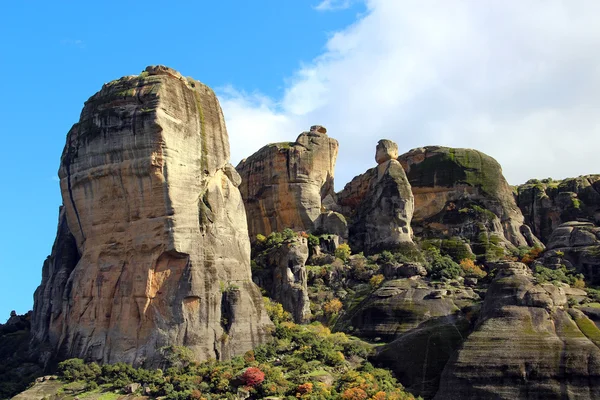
[
  {"x": 281, "y": 272},
  {"x": 286, "y": 185},
  {"x": 445, "y": 181},
  {"x": 546, "y": 204},
  {"x": 526, "y": 345},
  {"x": 152, "y": 207},
  {"x": 380, "y": 203}
]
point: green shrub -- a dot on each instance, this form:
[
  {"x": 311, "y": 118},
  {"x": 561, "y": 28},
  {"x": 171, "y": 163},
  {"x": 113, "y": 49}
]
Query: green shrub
[
  {"x": 562, "y": 274},
  {"x": 456, "y": 249},
  {"x": 313, "y": 240},
  {"x": 439, "y": 266},
  {"x": 343, "y": 252}
]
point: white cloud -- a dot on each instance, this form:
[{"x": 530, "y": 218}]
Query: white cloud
[
  {"x": 330, "y": 5},
  {"x": 517, "y": 80}
]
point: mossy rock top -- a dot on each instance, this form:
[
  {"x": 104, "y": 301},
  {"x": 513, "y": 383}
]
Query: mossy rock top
[{"x": 445, "y": 166}]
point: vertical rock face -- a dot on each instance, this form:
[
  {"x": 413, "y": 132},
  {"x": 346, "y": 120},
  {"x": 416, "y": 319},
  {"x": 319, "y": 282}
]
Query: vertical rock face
[
  {"x": 447, "y": 179},
  {"x": 526, "y": 345},
  {"x": 380, "y": 202},
  {"x": 546, "y": 204},
  {"x": 283, "y": 275},
  {"x": 285, "y": 185},
  {"x": 159, "y": 225}
]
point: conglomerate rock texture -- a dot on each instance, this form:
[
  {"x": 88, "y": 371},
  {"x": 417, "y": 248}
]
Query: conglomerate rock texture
[
  {"x": 380, "y": 203},
  {"x": 285, "y": 185},
  {"x": 446, "y": 180},
  {"x": 548, "y": 203},
  {"x": 526, "y": 345},
  {"x": 152, "y": 206}
]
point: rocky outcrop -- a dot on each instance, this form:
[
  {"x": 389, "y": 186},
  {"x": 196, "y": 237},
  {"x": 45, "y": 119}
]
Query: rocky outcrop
[
  {"x": 462, "y": 192},
  {"x": 287, "y": 185},
  {"x": 401, "y": 305},
  {"x": 548, "y": 203},
  {"x": 152, "y": 207},
  {"x": 576, "y": 245},
  {"x": 424, "y": 324},
  {"x": 281, "y": 271},
  {"x": 380, "y": 203},
  {"x": 526, "y": 345}
]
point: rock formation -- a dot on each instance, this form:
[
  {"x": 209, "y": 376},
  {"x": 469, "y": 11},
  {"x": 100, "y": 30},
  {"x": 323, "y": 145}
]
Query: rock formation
[
  {"x": 282, "y": 273},
  {"x": 526, "y": 345},
  {"x": 462, "y": 192},
  {"x": 287, "y": 185},
  {"x": 423, "y": 324},
  {"x": 575, "y": 245},
  {"x": 380, "y": 203},
  {"x": 547, "y": 203},
  {"x": 402, "y": 305},
  {"x": 152, "y": 207}
]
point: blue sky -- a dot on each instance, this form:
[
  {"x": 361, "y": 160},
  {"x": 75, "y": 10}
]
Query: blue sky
[
  {"x": 517, "y": 80},
  {"x": 54, "y": 55}
]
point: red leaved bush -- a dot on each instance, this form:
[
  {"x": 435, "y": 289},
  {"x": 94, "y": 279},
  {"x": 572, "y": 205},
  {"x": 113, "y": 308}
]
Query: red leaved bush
[{"x": 253, "y": 376}]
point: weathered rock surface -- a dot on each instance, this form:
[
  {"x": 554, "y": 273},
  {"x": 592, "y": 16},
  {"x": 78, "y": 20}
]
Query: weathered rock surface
[
  {"x": 578, "y": 244},
  {"x": 418, "y": 356},
  {"x": 401, "y": 305},
  {"x": 380, "y": 203},
  {"x": 462, "y": 192},
  {"x": 153, "y": 209},
  {"x": 526, "y": 345},
  {"x": 546, "y": 204},
  {"x": 285, "y": 185},
  {"x": 282, "y": 273}
]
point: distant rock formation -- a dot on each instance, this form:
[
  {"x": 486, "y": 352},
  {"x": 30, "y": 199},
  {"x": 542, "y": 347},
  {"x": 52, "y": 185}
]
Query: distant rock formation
[
  {"x": 283, "y": 275},
  {"x": 152, "y": 247},
  {"x": 462, "y": 192},
  {"x": 380, "y": 203},
  {"x": 289, "y": 184},
  {"x": 526, "y": 345},
  {"x": 547, "y": 203},
  {"x": 575, "y": 245}
]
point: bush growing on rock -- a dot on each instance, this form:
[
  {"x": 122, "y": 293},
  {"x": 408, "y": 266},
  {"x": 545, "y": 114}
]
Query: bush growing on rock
[
  {"x": 376, "y": 281},
  {"x": 531, "y": 255},
  {"x": 343, "y": 252},
  {"x": 562, "y": 274},
  {"x": 333, "y": 306},
  {"x": 471, "y": 270},
  {"x": 439, "y": 266}
]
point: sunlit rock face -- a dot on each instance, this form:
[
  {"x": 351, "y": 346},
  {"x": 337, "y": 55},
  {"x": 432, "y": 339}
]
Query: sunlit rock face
[
  {"x": 290, "y": 184},
  {"x": 379, "y": 203},
  {"x": 159, "y": 225},
  {"x": 527, "y": 344},
  {"x": 447, "y": 180}
]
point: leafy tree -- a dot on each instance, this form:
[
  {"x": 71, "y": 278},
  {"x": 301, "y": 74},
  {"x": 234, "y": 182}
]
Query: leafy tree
[
  {"x": 343, "y": 252},
  {"x": 333, "y": 306},
  {"x": 253, "y": 376}
]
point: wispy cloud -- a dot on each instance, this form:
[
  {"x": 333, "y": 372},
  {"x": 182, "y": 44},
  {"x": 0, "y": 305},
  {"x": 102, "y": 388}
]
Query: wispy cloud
[
  {"x": 331, "y": 5},
  {"x": 73, "y": 43},
  {"x": 516, "y": 80}
]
